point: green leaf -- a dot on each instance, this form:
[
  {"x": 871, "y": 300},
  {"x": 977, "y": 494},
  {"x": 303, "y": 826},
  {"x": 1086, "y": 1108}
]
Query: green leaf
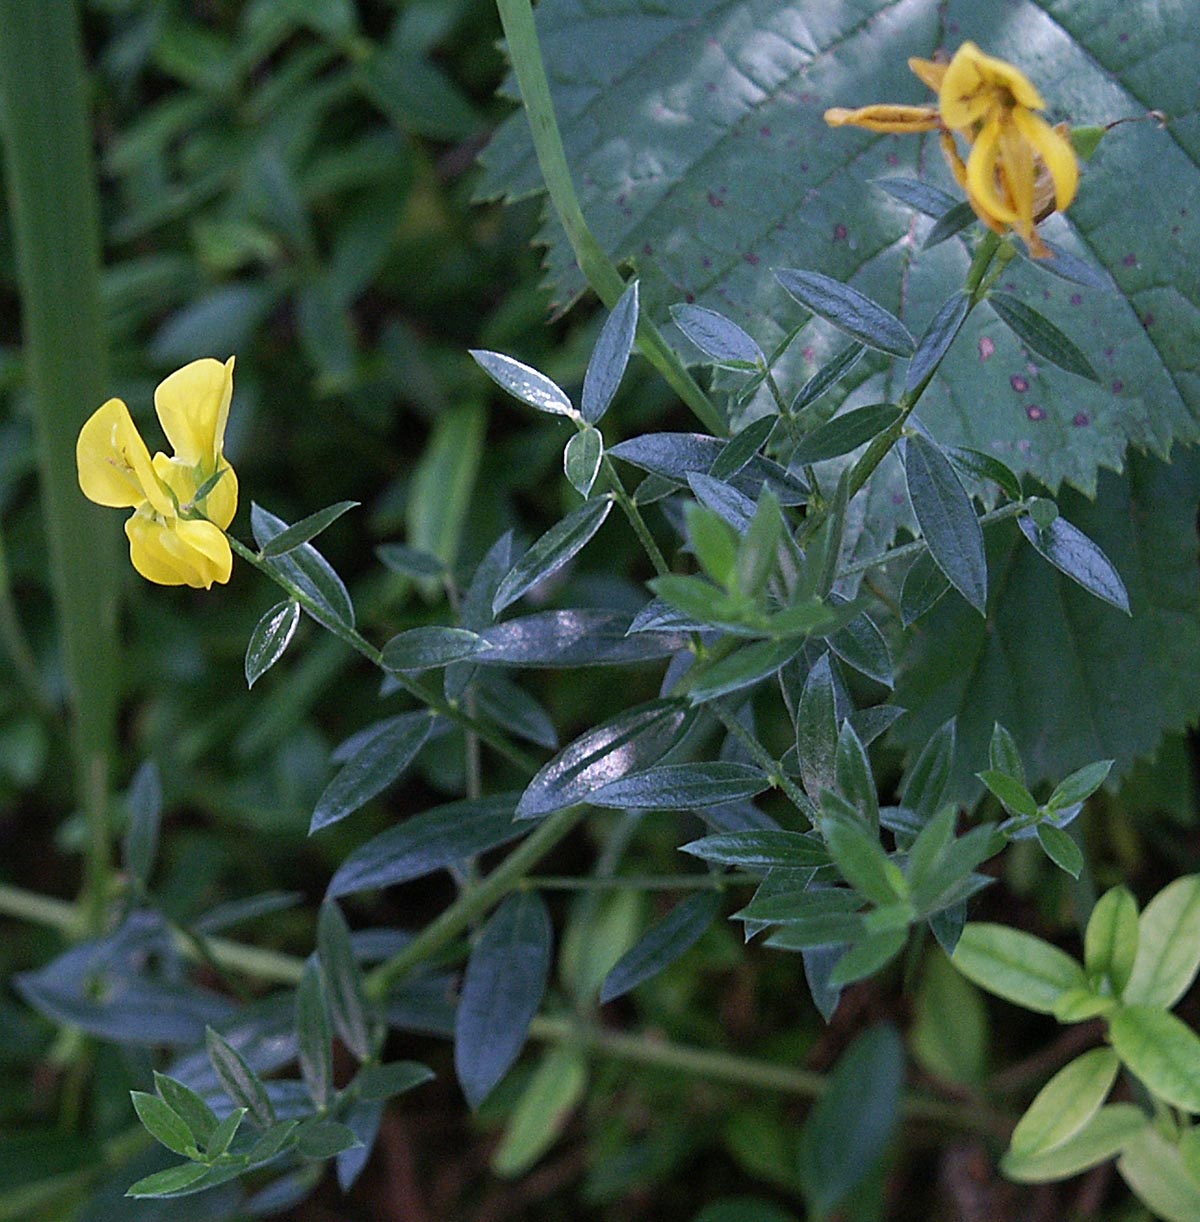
[
  {"x": 759, "y": 849},
  {"x": 1066, "y": 1103},
  {"x": 307, "y": 569},
  {"x": 314, "y": 1035},
  {"x": 1060, "y": 848},
  {"x": 1162, "y": 1050},
  {"x": 1155, "y": 1170},
  {"x": 741, "y": 448},
  {"x": 921, "y": 196},
  {"x": 717, "y": 337},
  {"x": 223, "y": 1135},
  {"x": 983, "y": 467},
  {"x": 1080, "y": 785},
  {"x": 430, "y": 646},
  {"x": 238, "y": 1080},
  {"x": 560, "y": 543},
  {"x": 344, "y": 983},
  {"x": 1003, "y": 754},
  {"x": 304, "y": 530},
  {"x": 827, "y": 377},
  {"x": 1073, "y": 553},
  {"x": 629, "y": 742},
  {"x": 714, "y": 541},
  {"x": 745, "y": 667},
  {"x": 855, "y": 781},
  {"x": 1043, "y": 684},
  {"x": 606, "y": 367},
  {"x": 581, "y": 460},
  {"x": 501, "y": 993},
  {"x": 817, "y": 730},
  {"x": 662, "y": 944},
  {"x": 433, "y": 840},
  {"x": 936, "y": 341},
  {"x": 845, "y": 433},
  {"x": 947, "y": 519},
  {"x": 409, "y": 561},
  {"x": 924, "y": 585},
  {"x": 553, "y": 1093},
  {"x": 925, "y": 781},
  {"x": 1013, "y": 796},
  {"x": 1110, "y": 943},
  {"x": 851, "y": 1125},
  {"x": 1016, "y": 966},
  {"x": 144, "y": 800},
  {"x": 272, "y": 1143},
  {"x": 868, "y": 956},
  {"x": 387, "y": 750},
  {"x": 682, "y": 786},
  {"x": 324, "y": 1139},
  {"x": 524, "y": 383},
  {"x": 169, "y": 1182},
  {"x": 1105, "y": 1135},
  {"x": 949, "y": 1032},
  {"x": 953, "y": 221},
  {"x": 270, "y": 637},
  {"x": 758, "y": 552},
  {"x": 163, "y": 1123},
  {"x": 579, "y": 637},
  {"x": 859, "y": 856},
  {"x": 188, "y": 1105},
  {"x": 1040, "y": 334},
  {"x": 849, "y": 310},
  {"x": 379, "y": 1082},
  {"x": 1168, "y": 952}
]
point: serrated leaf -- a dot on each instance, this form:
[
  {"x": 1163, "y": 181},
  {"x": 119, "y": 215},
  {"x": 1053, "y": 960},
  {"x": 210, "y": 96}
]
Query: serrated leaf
[
  {"x": 378, "y": 761},
  {"x": 304, "y": 530},
  {"x": 1162, "y": 1050},
  {"x": 606, "y": 367},
  {"x": 845, "y": 433},
  {"x": 1041, "y": 335},
  {"x": 682, "y": 786},
  {"x": 343, "y": 977},
  {"x": 581, "y": 460},
  {"x": 1016, "y": 966},
  {"x": 379, "y": 1082},
  {"x": 238, "y": 1080},
  {"x": 163, "y": 1123},
  {"x": 270, "y": 637},
  {"x": 307, "y": 569},
  {"x": 759, "y": 850},
  {"x": 849, "y": 310},
  {"x": 1073, "y": 553},
  {"x": 1066, "y": 1103},
  {"x": 718, "y": 337},
  {"x": 947, "y": 519},
  {"x": 524, "y": 383},
  {"x": 560, "y": 543},
  {"x": 430, "y": 646},
  {"x": 661, "y": 945},
  {"x": 502, "y": 989},
  {"x": 936, "y": 341}
]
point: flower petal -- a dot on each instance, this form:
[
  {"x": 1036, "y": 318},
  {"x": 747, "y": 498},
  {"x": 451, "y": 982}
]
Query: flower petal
[
  {"x": 929, "y": 71},
  {"x": 177, "y": 552},
  {"x": 113, "y": 462},
  {"x": 981, "y": 176},
  {"x": 976, "y": 86},
  {"x": 1055, "y": 150},
  {"x": 884, "y": 117},
  {"x": 218, "y": 506},
  {"x": 193, "y": 407},
  {"x": 1017, "y": 173}
]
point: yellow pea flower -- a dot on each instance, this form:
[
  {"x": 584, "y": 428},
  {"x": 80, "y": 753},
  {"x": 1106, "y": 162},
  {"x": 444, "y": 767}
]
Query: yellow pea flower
[
  {"x": 1019, "y": 169},
  {"x": 175, "y": 536}
]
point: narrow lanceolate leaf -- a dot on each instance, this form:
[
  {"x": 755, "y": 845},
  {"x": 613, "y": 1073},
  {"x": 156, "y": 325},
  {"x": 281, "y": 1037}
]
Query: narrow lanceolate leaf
[
  {"x": 662, "y": 944},
  {"x": 610, "y": 356},
  {"x": 947, "y": 519},
  {"x": 343, "y": 977},
  {"x": 827, "y": 376},
  {"x": 581, "y": 459},
  {"x": 1162, "y": 1050},
  {"x": 683, "y": 786},
  {"x": 1073, "y": 553},
  {"x": 1105, "y": 1135},
  {"x": 760, "y": 850},
  {"x": 739, "y": 450},
  {"x": 314, "y": 1035},
  {"x": 862, "y": 646},
  {"x": 304, "y": 530},
  {"x": 854, "y": 778},
  {"x": 554, "y": 1091},
  {"x": 223, "y": 1135},
  {"x": 1067, "y": 1102},
  {"x": 1168, "y": 953},
  {"x": 1041, "y": 335},
  {"x": 168, "y": 1183},
  {"x": 502, "y": 990},
  {"x": 430, "y": 646},
  {"x": 974, "y": 464},
  {"x": 717, "y": 337},
  {"x": 581, "y": 636},
  {"x": 524, "y": 383},
  {"x": 817, "y": 730},
  {"x": 374, "y": 766},
  {"x": 926, "y": 782},
  {"x": 433, "y": 840},
  {"x": 848, "y": 310},
  {"x": 629, "y": 742},
  {"x": 744, "y": 667},
  {"x": 324, "y": 1139},
  {"x": 559, "y": 544},
  {"x": 1060, "y": 848},
  {"x": 932, "y": 201},
  {"x": 845, "y": 433},
  {"x": 936, "y": 341},
  {"x": 1110, "y": 943},
  {"x": 1016, "y": 966},
  {"x": 144, "y": 800},
  {"x": 163, "y": 1123},
  {"x": 1080, "y": 785},
  {"x": 952, "y": 221},
  {"x": 307, "y": 569},
  {"x": 1013, "y": 796},
  {"x": 188, "y": 1105},
  {"x": 924, "y": 585},
  {"x": 378, "y": 1082},
  {"x": 238, "y": 1080},
  {"x": 271, "y": 636}
]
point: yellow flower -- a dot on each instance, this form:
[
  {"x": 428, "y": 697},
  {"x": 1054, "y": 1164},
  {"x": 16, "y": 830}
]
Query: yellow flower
[
  {"x": 176, "y": 537},
  {"x": 1019, "y": 169}
]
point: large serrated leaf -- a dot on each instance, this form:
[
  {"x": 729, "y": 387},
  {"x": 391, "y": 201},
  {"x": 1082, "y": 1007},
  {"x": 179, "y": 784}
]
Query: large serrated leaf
[{"x": 725, "y": 100}]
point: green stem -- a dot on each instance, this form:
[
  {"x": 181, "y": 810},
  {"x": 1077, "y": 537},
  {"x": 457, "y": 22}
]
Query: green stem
[
  {"x": 54, "y": 211},
  {"x": 475, "y": 901},
  {"x": 779, "y": 778},
  {"x": 640, "y": 882},
  {"x": 634, "y": 514},
  {"x": 427, "y": 695},
  {"x": 525, "y": 51}
]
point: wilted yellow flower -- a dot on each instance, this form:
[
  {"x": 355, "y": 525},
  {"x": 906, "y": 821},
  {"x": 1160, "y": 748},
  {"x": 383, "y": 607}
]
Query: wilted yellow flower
[
  {"x": 181, "y": 504},
  {"x": 1019, "y": 169}
]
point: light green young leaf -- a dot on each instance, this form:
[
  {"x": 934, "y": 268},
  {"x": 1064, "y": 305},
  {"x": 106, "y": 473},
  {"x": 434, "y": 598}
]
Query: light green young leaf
[
  {"x": 164, "y": 1124},
  {"x": 553, "y": 1093},
  {"x": 1156, "y": 1172},
  {"x": 949, "y": 1032},
  {"x": 1168, "y": 951},
  {"x": 1105, "y": 1135},
  {"x": 1110, "y": 942},
  {"x": 1162, "y": 1050},
  {"x": 1066, "y": 1103},
  {"x": 1016, "y": 965}
]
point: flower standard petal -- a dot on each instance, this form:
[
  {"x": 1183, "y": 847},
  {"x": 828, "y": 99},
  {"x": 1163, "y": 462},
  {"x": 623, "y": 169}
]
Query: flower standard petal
[
  {"x": 113, "y": 463},
  {"x": 193, "y": 407},
  {"x": 977, "y": 86},
  {"x": 1055, "y": 150}
]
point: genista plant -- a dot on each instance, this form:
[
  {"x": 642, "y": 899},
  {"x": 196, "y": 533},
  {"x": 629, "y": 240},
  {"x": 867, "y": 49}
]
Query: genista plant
[{"x": 817, "y": 783}]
